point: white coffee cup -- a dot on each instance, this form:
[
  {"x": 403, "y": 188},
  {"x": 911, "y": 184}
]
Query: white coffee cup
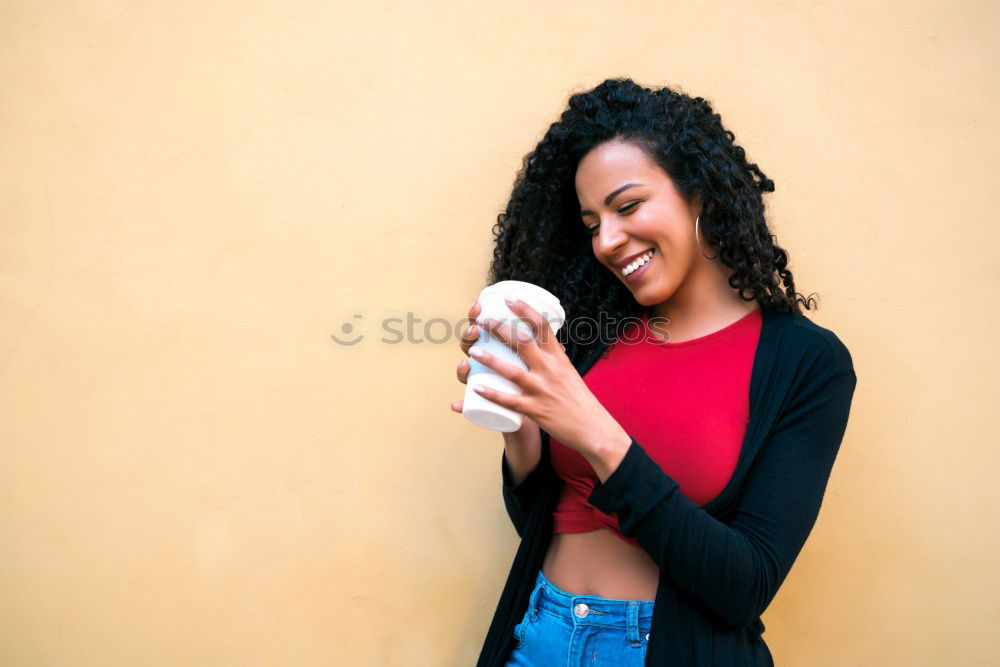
[{"x": 476, "y": 408}]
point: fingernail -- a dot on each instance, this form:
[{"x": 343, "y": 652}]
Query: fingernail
[
  {"x": 510, "y": 301},
  {"x": 479, "y": 388},
  {"x": 476, "y": 352}
]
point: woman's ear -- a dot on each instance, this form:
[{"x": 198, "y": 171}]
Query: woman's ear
[{"x": 700, "y": 207}]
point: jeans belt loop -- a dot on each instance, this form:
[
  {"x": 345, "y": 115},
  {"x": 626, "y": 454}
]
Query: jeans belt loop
[
  {"x": 633, "y": 623},
  {"x": 533, "y": 603}
]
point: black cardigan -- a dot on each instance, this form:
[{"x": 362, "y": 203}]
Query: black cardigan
[{"x": 722, "y": 563}]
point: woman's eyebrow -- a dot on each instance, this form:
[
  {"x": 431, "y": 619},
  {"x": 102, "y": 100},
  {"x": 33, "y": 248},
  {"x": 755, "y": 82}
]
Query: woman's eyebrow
[{"x": 607, "y": 200}]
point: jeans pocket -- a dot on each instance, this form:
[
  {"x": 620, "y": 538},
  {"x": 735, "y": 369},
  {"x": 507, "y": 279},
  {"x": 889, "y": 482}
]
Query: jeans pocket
[
  {"x": 522, "y": 626},
  {"x": 530, "y": 615}
]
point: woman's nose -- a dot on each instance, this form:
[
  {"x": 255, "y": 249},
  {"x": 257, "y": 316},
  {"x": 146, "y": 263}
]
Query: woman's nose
[{"x": 610, "y": 237}]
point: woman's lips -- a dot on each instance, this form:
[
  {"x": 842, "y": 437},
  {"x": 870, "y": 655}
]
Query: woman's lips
[{"x": 638, "y": 273}]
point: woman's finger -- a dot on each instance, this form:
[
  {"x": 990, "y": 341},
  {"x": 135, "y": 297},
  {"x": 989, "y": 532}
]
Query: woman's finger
[
  {"x": 516, "y": 338},
  {"x": 470, "y": 333},
  {"x": 503, "y": 368},
  {"x": 511, "y": 401},
  {"x": 474, "y": 311},
  {"x": 463, "y": 371},
  {"x": 469, "y": 336},
  {"x": 541, "y": 330}
]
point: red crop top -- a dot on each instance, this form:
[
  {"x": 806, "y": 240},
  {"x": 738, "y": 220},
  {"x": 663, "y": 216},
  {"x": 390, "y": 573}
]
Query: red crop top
[{"x": 688, "y": 403}]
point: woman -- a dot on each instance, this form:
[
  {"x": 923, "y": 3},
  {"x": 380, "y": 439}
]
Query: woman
[{"x": 669, "y": 469}]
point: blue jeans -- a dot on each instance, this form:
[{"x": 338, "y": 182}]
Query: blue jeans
[{"x": 560, "y": 629}]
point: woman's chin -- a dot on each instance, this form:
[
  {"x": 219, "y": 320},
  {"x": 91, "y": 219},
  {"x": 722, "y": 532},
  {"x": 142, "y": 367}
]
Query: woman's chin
[{"x": 649, "y": 293}]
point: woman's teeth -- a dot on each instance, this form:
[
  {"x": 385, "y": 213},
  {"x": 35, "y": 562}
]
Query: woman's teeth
[{"x": 637, "y": 263}]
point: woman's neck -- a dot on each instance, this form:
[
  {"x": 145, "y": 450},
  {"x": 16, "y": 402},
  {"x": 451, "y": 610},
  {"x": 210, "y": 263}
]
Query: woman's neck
[{"x": 707, "y": 305}]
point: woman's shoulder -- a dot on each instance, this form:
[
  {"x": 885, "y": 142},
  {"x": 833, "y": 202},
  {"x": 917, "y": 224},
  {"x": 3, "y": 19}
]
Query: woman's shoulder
[{"x": 798, "y": 332}]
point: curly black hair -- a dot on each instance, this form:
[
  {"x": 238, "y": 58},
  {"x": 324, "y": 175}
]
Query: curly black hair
[{"x": 539, "y": 239}]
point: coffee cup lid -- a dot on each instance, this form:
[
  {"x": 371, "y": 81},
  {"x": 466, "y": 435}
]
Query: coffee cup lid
[{"x": 528, "y": 290}]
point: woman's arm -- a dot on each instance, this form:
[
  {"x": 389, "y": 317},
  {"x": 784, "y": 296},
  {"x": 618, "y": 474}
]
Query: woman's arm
[
  {"x": 734, "y": 570},
  {"x": 522, "y": 477}
]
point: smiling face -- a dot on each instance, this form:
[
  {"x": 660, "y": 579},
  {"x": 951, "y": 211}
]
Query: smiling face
[{"x": 632, "y": 207}]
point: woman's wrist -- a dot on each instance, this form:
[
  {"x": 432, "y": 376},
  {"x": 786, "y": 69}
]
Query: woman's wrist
[
  {"x": 606, "y": 448},
  {"x": 520, "y": 459}
]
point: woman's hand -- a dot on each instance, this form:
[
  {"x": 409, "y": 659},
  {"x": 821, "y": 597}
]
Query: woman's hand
[
  {"x": 528, "y": 436},
  {"x": 555, "y": 396}
]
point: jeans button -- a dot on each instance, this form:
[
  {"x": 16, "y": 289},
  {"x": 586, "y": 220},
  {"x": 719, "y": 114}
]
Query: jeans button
[{"x": 581, "y": 610}]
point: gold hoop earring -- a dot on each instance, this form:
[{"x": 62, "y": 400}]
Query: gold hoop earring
[{"x": 698, "y": 240}]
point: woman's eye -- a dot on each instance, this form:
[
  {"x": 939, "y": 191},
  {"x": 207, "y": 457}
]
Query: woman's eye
[{"x": 627, "y": 207}]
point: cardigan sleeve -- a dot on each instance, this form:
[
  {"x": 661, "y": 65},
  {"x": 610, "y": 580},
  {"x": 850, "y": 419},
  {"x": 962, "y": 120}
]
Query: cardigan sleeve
[
  {"x": 518, "y": 498},
  {"x": 733, "y": 570}
]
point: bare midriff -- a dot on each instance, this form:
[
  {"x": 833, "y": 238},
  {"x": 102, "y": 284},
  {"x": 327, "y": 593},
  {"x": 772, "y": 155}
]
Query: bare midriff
[{"x": 599, "y": 563}]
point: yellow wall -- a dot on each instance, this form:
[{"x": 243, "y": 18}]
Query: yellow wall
[{"x": 195, "y": 196}]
